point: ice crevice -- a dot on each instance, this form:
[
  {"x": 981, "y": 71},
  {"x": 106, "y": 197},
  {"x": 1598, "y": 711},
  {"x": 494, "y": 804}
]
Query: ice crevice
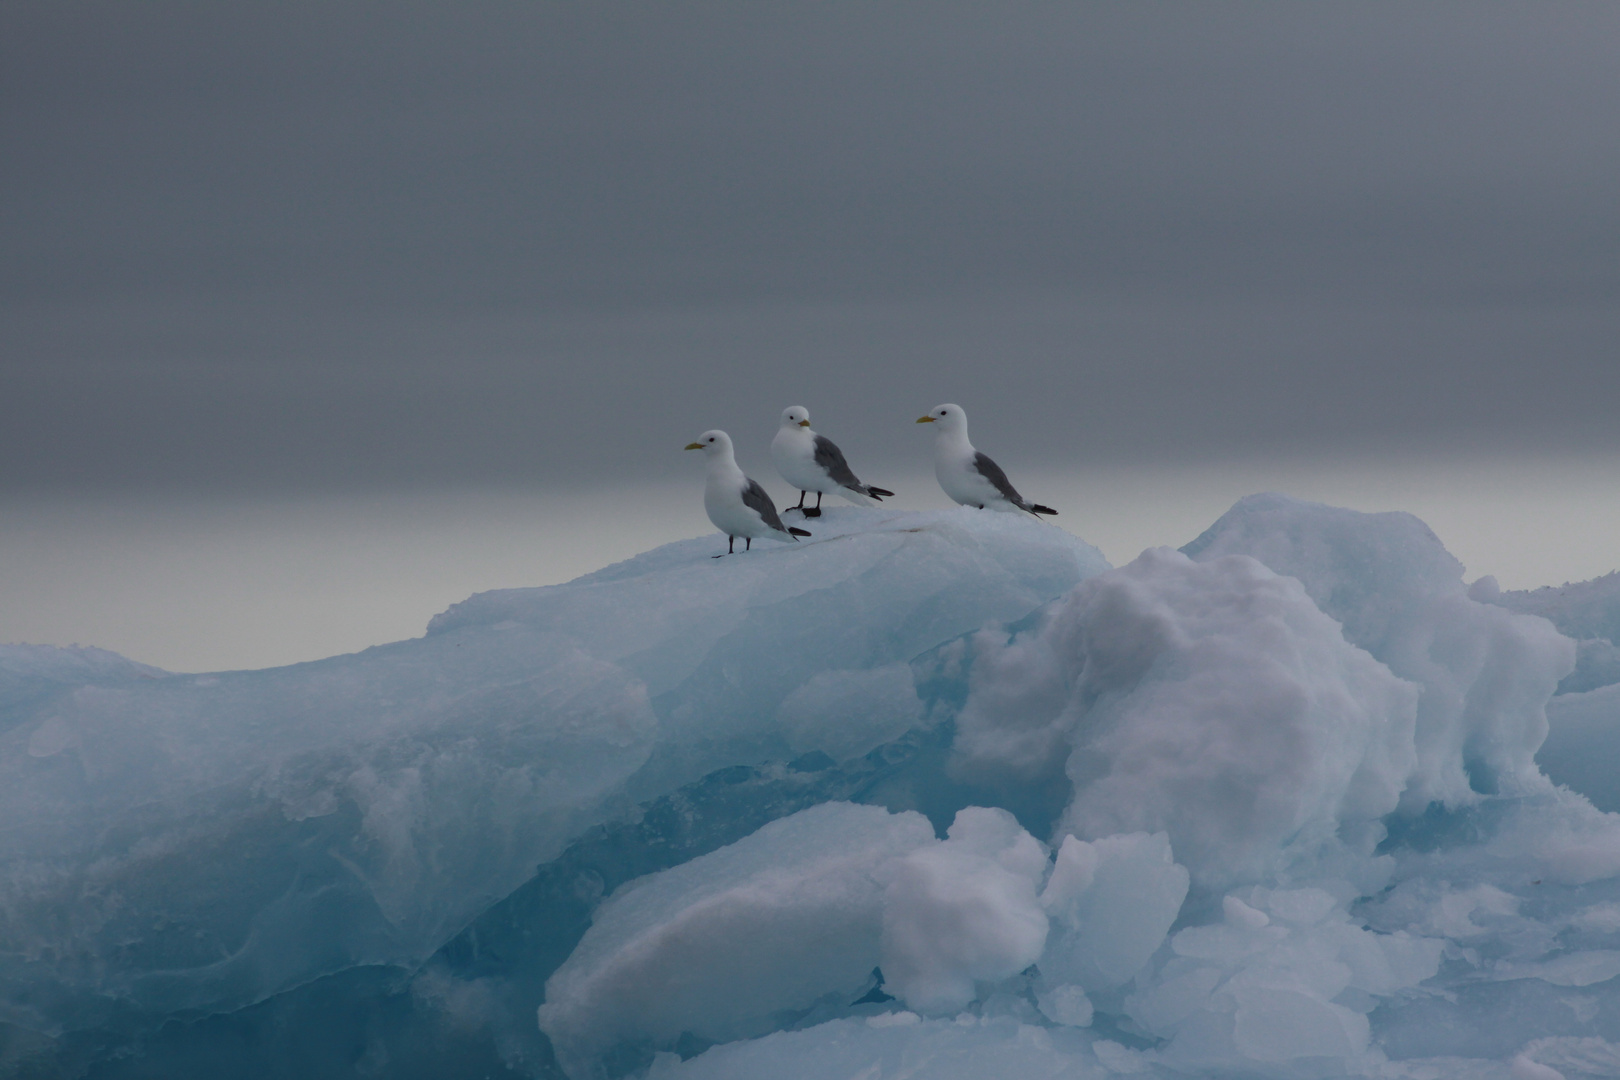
[{"x": 944, "y": 795}]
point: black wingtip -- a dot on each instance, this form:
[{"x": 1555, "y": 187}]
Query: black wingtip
[
  {"x": 1039, "y": 509},
  {"x": 797, "y": 532},
  {"x": 879, "y": 493}
]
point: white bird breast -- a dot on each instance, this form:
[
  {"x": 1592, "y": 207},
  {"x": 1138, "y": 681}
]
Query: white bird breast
[
  {"x": 953, "y": 466},
  {"x": 793, "y": 452},
  {"x": 722, "y": 498}
]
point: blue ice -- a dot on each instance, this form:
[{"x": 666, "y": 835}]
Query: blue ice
[{"x": 934, "y": 794}]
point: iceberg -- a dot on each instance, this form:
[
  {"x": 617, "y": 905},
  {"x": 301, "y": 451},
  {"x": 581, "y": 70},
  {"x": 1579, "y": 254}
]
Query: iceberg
[
  {"x": 932, "y": 794},
  {"x": 192, "y": 845}
]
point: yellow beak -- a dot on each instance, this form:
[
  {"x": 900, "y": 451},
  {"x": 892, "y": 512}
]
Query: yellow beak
[
  {"x": 925, "y": 419},
  {"x": 804, "y": 423},
  {"x": 694, "y": 446}
]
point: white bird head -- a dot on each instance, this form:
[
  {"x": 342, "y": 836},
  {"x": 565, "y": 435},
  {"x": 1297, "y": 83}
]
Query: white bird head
[
  {"x": 795, "y": 416},
  {"x": 950, "y": 418},
  {"x": 712, "y": 443}
]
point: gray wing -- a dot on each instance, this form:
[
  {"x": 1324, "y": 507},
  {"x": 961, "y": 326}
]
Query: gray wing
[
  {"x": 831, "y": 459},
  {"x": 998, "y": 479},
  {"x": 755, "y": 499}
]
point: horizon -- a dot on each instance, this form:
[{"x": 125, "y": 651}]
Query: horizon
[{"x": 162, "y": 582}]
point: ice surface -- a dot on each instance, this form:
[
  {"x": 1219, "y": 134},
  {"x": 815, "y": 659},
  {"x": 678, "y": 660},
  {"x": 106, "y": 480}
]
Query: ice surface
[
  {"x": 897, "y": 1045},
  {"x": 1111, "y": 904},
  {"x": 931, "y": 795},
  {"x": 722, "y": 645},
  {"x": 31, "y": 673}
]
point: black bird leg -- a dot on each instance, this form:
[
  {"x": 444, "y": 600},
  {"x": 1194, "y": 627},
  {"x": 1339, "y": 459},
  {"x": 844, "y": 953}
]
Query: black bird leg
[
  {"x": 731, "y": 549},
  {"x": 815, "y": 512},
  {"x": 800, "y": 507},
  {"x": 748, "y": 544}
]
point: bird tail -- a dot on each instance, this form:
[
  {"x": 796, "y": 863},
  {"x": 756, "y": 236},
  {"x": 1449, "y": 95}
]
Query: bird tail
[
  {"x": 1037, "y": 508},
  {"x": 797, "y": 532},
  {"x": 878, "y": 493}
]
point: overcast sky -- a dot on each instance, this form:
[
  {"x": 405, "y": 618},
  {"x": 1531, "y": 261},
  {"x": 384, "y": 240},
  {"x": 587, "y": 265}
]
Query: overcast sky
[{"x": 330, "y": 245}]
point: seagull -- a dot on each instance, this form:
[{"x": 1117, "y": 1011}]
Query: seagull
[
  {"x": 968, "y": 476},
  {"x": 737, "y": 505},
  {"x": 812, "y": 462}
]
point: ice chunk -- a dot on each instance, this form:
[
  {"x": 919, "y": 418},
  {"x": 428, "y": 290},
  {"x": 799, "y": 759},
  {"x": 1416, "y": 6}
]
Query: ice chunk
[
  {"x": 1277, "y": 985},
  {"x": 1570, "y": 969},
  {"x": 1583, "y": 744},
  {"x": 963, "y": 910},
  {"x": 1111, "y": 904},
  {"x": 1597, "y": 664},
  {"x": 1486, "y": 674},
  {"x": 1589, "y": 612},
  {"x": 717, "y": 946},
  {"x": 1582, "y": 609},
  {"x": 801, "y": 911},
  {"x": 1524, "y": 1067},
  {"x": 1212, "y": 701},
  {"x": 1588, "y": 1056},
  {"x": 1239, "y": 914},
  {"x": 1064, "y": 1004},
  {"x": 1278, "y": 1024}
]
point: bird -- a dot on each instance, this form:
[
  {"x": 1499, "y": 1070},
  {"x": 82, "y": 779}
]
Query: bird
[
  {"x": 737, "y": 505},
  {"x": 812, "y": 462},
  {"x": 968, "y": 476}
]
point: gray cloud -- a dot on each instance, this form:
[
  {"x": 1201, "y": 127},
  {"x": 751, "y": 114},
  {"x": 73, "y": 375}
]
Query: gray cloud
[{"x": 331, "y": 244}]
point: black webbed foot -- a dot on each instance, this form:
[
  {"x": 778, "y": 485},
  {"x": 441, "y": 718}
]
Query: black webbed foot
[{"x": 811, "y": 511}]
